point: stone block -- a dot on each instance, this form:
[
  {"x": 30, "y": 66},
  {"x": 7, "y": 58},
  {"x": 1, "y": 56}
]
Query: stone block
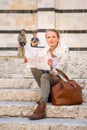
[
  {"x": 81, "y": 82},
  {"x": 17, "y": 21},
  {"x": 18, "y": 5},
  {"x": 69, "y": 4},
  {"x": 84, "y": 92},
  {"x": 17, "y": 83},
  {"x": 82, "y": 111},
  {"x": 10, "y": 40},
  {"x": 44, "y": 124},
  {"x": 46, "y": 20},
  {"x": 24, "y": 109},
  {"x": 86, "y": 83},
  {"x": 19, "y": 94},
  {"x": 77, "y": 64},
  {"x": 74, "y": 40},
  {"x": 46, "y": 4},
  {"x": 62, "y": 111},
  {"x": 71, "y": 21}
]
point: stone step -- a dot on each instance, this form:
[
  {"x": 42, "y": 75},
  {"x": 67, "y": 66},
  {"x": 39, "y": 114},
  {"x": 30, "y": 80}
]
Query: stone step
[
  {"x": 15, "y": 68},
  {"x": 24, "y": 109},
  {"x": 18, "y": 123},
  {"x": 15, "y": 75},
  {"x": 30, "y": 94},
  {"x": 8, "y": 64},
  {"x": 19, "y": 94},
  {"x": 8, "y": 54},
  {"x": 25, "y": 81},
  {"x": 17, "y": 83},
  {"x": 11, "y": 61},
  {"x": 84, "y": 92}
]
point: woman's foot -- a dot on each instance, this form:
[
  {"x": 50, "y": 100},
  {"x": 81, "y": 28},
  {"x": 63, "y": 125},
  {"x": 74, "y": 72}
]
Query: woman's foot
[{"x": 39, "y": 113}]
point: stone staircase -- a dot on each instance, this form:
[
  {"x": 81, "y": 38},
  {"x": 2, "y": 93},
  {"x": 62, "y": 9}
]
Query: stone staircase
[{"x": 18, "y": 94}]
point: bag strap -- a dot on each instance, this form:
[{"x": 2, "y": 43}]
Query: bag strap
[{"x": 63, "y": 74}]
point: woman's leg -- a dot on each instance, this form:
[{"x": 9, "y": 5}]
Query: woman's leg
[
  {"x": 47, "y": 81},
  {"x": 37, "y": 74},
  {"x": 45, "y": 87}
]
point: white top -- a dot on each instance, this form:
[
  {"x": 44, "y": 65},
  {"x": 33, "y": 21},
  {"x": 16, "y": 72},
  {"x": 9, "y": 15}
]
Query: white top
[
  {"x": 61, "y": 59},
  {"x": 39, "y": 58}
]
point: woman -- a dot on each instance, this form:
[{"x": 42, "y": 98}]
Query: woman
[{"x": 57, "y": 54}]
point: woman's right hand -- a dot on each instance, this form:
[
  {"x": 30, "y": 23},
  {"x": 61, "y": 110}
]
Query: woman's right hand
[{"x": 50, "y": 63}]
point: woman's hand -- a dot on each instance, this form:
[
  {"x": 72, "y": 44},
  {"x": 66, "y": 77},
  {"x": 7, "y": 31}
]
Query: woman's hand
[{"x": 50, "y": 63}]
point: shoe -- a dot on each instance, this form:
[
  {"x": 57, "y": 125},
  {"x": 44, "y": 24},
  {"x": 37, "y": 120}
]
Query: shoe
[{"x": 39, "y": 113}]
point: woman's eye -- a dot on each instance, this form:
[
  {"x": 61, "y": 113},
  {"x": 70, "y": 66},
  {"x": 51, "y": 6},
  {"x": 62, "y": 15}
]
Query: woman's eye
[
  {"x": 48, "y": 37},
  {"x": 53, "y": 37}
]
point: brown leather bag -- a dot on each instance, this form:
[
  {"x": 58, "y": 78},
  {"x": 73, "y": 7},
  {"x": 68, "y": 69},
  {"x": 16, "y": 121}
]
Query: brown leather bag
[{"x": 66, "y": 92}]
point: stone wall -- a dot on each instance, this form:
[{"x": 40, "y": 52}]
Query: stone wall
[{"x": 67, "y": 16}]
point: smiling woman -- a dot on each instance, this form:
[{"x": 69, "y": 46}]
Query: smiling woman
[{"x": 57, "y": 57}]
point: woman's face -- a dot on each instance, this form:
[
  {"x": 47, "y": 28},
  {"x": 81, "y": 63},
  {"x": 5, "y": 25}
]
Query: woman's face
[{"x": 52, "y": 38}]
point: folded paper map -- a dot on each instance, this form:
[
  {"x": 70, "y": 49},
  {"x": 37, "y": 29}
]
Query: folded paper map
[{"x": 36, "y": 58}]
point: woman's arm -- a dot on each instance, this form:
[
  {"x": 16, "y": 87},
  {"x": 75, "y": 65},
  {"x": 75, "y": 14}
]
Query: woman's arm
[{"x": 62, "y": 62}]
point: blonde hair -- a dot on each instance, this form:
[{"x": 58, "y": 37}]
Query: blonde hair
[{"x": 53, "y": 30}]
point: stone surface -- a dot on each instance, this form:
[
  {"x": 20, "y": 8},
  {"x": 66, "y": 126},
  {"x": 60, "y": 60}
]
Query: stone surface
[
  {"x": 16, "y": 81},
  {"x": 44, "y": 124},
  {"x": 86, "y": 84},
  {"x": 63, "y": 4},
  {"x": 20, "y": 20},
  {"x": 74, "y": 40},
  {"x": 46, "y": 4},
  {"x": 28, "y": 94},
  {"x": 19, "y": 94},
  {"x": 21, "y": 4},
  {"x": 85, "y": 95},
  {"x": 24, "y": 109},
  {"x": 48, "y": 20},
  {"x": 65, "y": 21}
]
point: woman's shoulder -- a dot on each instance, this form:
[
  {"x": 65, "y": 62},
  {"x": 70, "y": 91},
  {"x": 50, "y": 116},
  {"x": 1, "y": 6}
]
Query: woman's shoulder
[
  {"x": 61, "y": 49},
  {"x": 63, "y": 46}
]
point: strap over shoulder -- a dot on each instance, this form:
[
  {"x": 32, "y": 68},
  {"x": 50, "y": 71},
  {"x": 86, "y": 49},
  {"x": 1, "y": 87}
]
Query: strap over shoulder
[{"x": 63, "y": 74}]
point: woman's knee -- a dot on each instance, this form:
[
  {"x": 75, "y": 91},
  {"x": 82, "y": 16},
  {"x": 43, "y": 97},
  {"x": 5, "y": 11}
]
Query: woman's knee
[{"x": 45, "y": 76}]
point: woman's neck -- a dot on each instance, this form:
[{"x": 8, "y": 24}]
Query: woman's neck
[{"x": 52, "y": 48}]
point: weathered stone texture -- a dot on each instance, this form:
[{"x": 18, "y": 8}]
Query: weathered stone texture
[
  {"x": 76, "y": 4},
  {"x": 65, "y": 21},
  {"x": 18, "y": 89},
  {"x": 18, "y": 4},
  {"x": 46, "y": 3},
  {"x": 78, "y": 64},
  {"x": 23, "y": 109},
  {"x": 47, "y": 18},
  {"x": 45, "y": 124},
  {"x": 17, "y": 21},
  {"x": 17, "y": 83},
  {"x": 19, "y": 95},
  {"x": 74, "y": 40},
  {"x": 10, "y": 40}
]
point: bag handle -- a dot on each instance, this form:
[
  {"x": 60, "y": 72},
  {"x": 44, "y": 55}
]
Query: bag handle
[{"x": 63, "y": 74}]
